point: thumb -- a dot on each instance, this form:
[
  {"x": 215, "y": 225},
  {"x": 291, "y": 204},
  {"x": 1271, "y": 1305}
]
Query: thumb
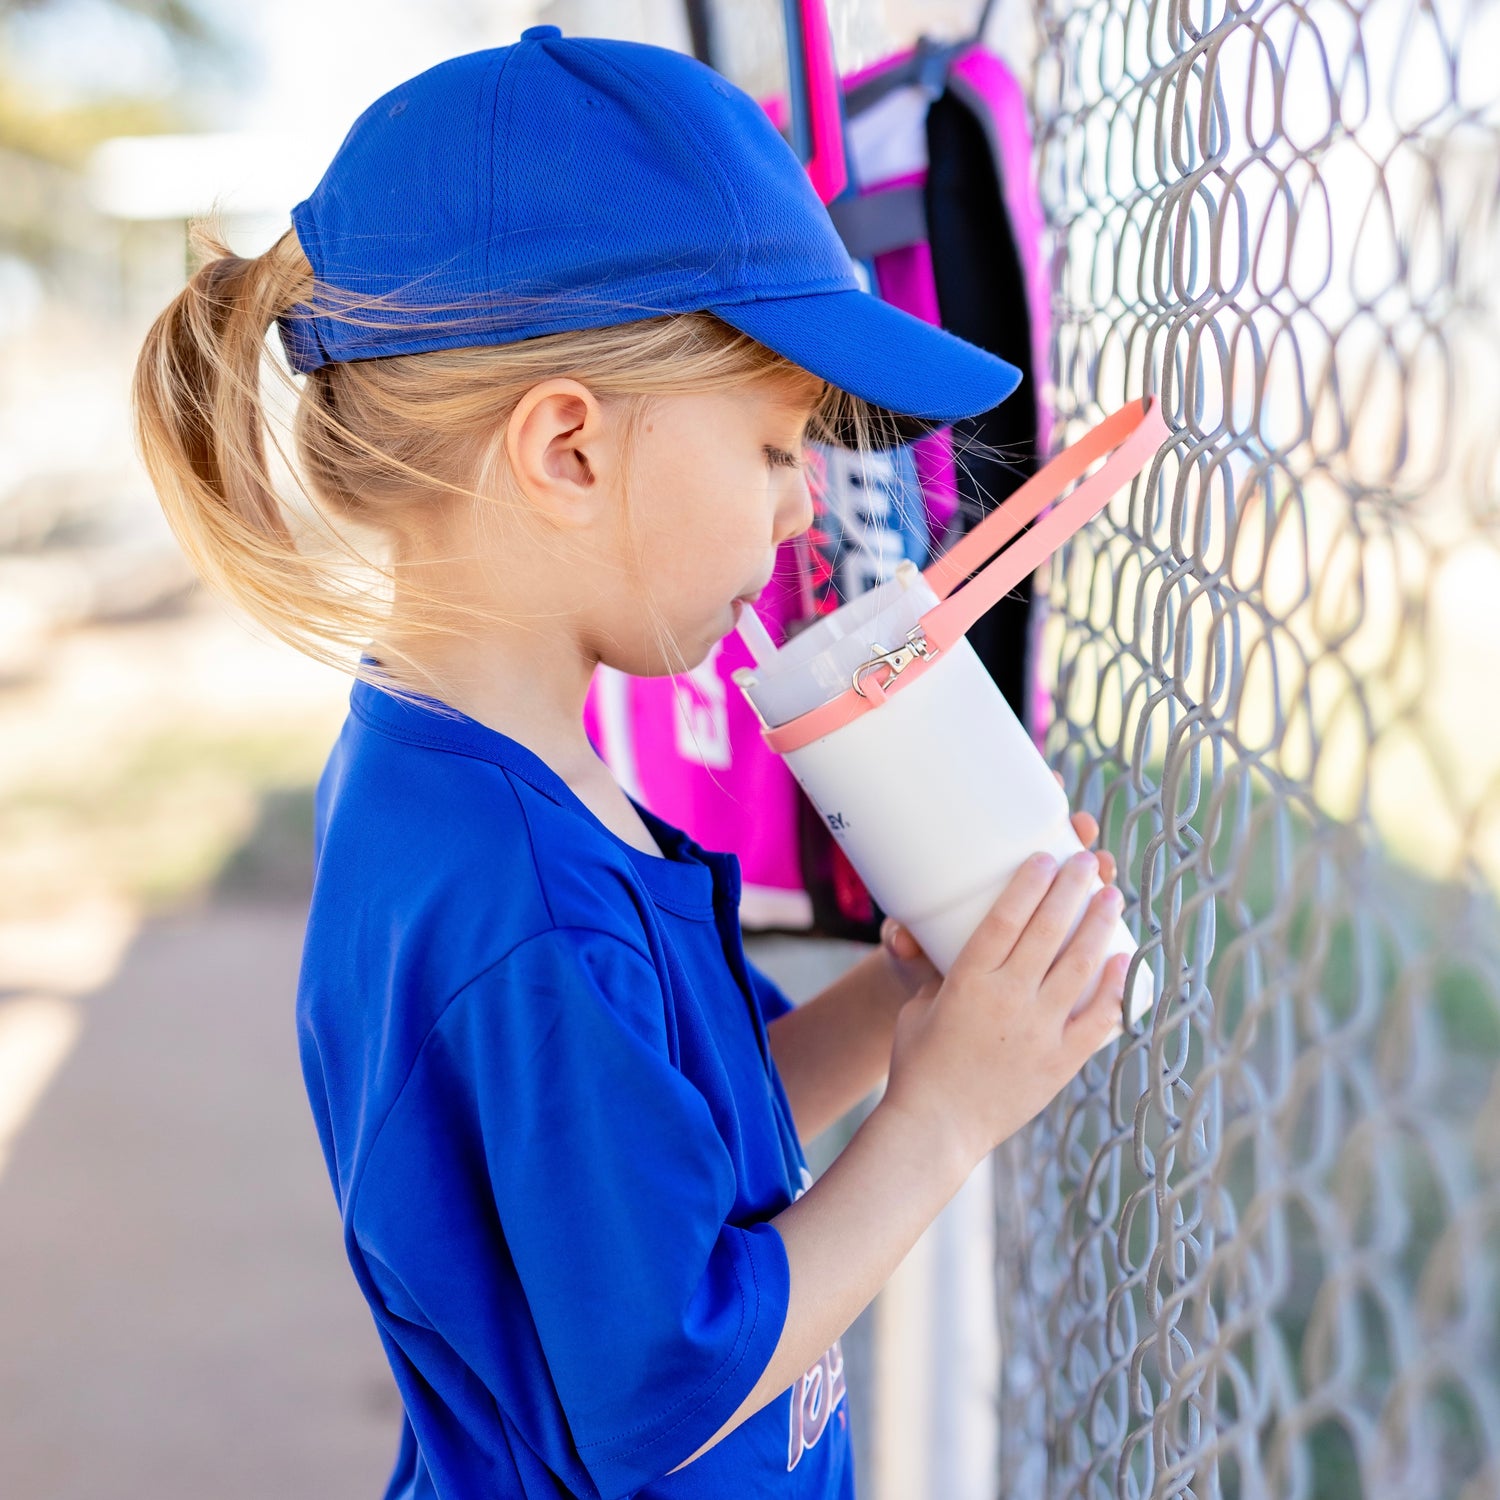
[{"x": 898, "y": 939}]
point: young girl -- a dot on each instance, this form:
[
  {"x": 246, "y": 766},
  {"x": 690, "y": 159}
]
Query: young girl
[{"x": 567, "y": 311}]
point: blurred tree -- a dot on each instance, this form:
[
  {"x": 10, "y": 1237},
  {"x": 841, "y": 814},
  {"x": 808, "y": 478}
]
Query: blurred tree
[
  {"x": 45, "y": 215},
  {"x": 63, "y": 134},
  {"x": 174, "y": 18}
]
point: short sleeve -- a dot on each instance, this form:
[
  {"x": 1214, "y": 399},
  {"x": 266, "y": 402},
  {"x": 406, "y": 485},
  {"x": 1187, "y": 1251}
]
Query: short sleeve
[
  {"x": 771, "y": 998},
  {"x": 550, "y": 1196}
]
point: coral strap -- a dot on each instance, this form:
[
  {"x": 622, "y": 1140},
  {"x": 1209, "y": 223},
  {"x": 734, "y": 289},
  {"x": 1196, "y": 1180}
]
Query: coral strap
[{"x": 1130, "y": 436}]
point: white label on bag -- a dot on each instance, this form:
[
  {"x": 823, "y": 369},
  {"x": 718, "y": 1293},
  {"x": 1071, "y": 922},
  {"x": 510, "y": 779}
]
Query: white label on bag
[{"x": 872, "y": 517}]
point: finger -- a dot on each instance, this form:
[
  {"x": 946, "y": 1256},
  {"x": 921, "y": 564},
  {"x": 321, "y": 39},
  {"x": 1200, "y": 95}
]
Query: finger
[
  {"x": 1036, "y": 949},
  {"x": 1102, "y": 1020},
  {"x": 1075, "y": 969},
  {"x": 993, "y": 940},
  {"x": 890, "y": 932},
  {"x": 1086, "y": 827}
]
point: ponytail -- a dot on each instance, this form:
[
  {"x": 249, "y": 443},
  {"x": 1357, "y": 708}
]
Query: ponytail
[
  {"x": 200, "y": 426},
  {"x": 377, "y": 444}
]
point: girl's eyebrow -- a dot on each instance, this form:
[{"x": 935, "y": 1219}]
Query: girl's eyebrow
[{"x": 785, "y": 400}]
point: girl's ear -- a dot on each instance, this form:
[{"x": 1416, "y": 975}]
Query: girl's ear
[{"x": 557, "y": 444}]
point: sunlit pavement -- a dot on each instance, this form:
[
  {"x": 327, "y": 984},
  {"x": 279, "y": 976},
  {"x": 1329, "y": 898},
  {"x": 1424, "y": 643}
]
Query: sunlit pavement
[{"x": 179, "y": 1317}]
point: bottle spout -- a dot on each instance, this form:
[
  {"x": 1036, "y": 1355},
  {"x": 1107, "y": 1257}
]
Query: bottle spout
[{"x": 754, "y": 634}]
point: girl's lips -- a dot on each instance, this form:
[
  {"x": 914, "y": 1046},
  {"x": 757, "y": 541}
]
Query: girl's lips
[{"x": 742, "y": 601}]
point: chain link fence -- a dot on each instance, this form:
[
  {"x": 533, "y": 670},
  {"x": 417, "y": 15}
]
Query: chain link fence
[{"x": 1253, "y": 1250}]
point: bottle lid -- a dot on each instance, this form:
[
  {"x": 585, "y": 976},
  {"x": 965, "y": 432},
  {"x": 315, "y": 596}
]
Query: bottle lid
[{"x": 819, "y": 662}]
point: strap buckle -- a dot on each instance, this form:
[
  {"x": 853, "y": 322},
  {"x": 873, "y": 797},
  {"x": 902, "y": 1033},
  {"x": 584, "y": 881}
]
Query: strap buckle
[{"x": 897, "y": 660}]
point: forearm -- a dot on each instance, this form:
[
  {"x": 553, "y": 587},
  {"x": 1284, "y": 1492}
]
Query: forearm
[
  {"x": 835, "y": 1048},
  {"x": 848, "y": 1233}
]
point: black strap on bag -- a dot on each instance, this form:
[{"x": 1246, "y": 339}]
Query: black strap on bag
[{"x": 981, "y": 291}]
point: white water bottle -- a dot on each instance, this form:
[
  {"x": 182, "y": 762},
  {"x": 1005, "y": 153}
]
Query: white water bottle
[{"x": 899, "y": 736}]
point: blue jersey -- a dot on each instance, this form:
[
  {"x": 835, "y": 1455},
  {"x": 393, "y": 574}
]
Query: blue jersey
[{"x": 537, "y": 1057}]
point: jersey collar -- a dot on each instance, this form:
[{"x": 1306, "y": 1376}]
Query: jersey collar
[{"x": 684, "y": 877}]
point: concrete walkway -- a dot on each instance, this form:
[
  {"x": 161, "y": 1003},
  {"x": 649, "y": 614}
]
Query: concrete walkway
[{"x": 179, "y": 1321}]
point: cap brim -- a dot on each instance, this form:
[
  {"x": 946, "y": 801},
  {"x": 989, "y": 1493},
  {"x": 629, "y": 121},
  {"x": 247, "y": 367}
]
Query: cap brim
[{"x": 881, "y": 354}]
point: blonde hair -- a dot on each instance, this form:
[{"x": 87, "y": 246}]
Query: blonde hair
[{"x": 379, "y": 441}]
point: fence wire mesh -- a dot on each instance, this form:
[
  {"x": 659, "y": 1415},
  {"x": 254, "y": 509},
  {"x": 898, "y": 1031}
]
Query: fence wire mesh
[{"x": 1253, "y": 1249}]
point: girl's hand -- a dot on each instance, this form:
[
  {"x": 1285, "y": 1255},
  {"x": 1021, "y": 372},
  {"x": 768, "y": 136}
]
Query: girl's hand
[
  {"x": 912, "y": 966},
  {"x": 978, "y": 1054}
]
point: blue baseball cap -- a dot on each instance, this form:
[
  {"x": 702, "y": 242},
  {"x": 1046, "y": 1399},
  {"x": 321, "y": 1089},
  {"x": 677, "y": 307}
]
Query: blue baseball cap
[{"x": 575, "y": 182}]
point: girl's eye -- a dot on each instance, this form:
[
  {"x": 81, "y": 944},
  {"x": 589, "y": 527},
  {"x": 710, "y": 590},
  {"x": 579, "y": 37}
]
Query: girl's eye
[{"x": 779, "y": 457}]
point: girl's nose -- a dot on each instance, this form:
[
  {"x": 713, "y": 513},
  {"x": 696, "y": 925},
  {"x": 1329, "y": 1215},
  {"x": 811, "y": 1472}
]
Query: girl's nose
[{"x": 797, "y": 519}]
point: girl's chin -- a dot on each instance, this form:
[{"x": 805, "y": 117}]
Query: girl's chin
[{"x": 724, "y": 627}]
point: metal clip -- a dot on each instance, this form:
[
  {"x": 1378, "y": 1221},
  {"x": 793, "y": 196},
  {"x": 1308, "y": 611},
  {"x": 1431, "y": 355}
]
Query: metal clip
[{"x": 897, "y": 660}]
